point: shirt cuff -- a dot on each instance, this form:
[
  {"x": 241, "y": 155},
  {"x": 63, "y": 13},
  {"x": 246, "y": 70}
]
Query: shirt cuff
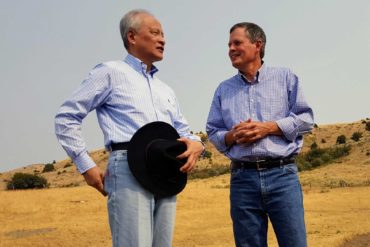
[
  {"x": 192, "y": 137},
  {"x": 221, "y": 145},
  {"x": 84, "y": 162},
  {"x": 288, "y": 128}
]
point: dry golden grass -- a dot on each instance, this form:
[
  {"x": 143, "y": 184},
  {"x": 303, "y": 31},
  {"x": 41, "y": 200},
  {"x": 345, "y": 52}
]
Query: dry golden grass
[
  {"x": 53, "y": 217},
  {"x": 331, "y": 217},
  {"x": 78, "y": 216},
  {"x": 337, "y": 203}
]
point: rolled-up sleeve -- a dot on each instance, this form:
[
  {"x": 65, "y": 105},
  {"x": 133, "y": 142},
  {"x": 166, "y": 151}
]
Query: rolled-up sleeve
[{"x": 300, "y": 119}]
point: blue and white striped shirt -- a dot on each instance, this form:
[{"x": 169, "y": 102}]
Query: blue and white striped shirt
[
  {"x": 275, "y": 95},
  {"x": 125, "y": 98}
]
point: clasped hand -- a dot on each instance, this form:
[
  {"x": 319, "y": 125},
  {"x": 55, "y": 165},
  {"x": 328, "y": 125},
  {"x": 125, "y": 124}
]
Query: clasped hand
[{"x": 248, "y": 132}]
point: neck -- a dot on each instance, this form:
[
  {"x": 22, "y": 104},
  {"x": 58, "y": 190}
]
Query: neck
[
  {"x": 250, "y": 70},
  {"x": 148, "y": 66},
  {"x": 145, "y": 61}
]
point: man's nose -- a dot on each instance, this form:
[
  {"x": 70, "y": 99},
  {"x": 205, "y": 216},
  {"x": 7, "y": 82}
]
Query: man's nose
[{"x": 162, "y": 41}]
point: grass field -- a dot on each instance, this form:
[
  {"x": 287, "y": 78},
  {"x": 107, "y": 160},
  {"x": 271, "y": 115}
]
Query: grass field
[
  {"x": 78, "y": 217},
  {"x": 336, "y": 199}
]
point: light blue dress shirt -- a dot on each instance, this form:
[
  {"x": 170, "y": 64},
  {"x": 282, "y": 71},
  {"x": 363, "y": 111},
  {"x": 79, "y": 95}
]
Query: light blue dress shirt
[
  {"x": 125, "y": 98},
  {"x": 274, "y": 95}
]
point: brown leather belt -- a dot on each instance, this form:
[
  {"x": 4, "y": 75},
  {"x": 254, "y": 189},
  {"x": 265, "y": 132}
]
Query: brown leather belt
[
  {"x": 261, "y": 164},
  {"x": 119, "y": 146}
]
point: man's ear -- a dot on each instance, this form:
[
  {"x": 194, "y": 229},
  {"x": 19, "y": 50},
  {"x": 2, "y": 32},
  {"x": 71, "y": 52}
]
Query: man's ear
[
  {"x": 131, "y": 36},
  {"x": 258, "y": 44}
]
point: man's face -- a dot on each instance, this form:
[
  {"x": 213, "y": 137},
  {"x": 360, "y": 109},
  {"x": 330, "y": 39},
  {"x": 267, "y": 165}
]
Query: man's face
[
  {"x": 241, "y": 51},
  {"x": 149, "y": 40}
]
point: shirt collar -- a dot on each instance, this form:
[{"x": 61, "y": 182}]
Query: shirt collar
[
  {"x": 259, "y": 76},
  {"x": 139, "y": 66}
]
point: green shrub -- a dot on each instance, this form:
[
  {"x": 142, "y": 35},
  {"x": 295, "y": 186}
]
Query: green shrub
[
  {"x": 343, "y": 183},
  {"x": 207, "y": 154},
  {"x": 326, "y": 158},
  {"x": 341, "y": 139},
  {"x": 356, "y": 136},
  {"x": 209, "y": 172},
  {"x": 67, "y": 165},
  {"x": 367, "y": 126},
  {"x": 338, "y": 152},
  {"x": 204, "y": 138},
  {"x": 314, "y": 145},
  {"x": 48, "y": 168},
  {"x": 26, "y": 181},
  {"x": 319, "y": 156}
]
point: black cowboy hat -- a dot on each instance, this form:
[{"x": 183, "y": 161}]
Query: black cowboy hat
[{"x": 151, "y": 156}]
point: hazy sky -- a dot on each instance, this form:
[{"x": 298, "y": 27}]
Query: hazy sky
[{"x": 47, "y": 48}]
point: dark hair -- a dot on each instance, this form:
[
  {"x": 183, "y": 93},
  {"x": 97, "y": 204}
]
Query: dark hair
[{"x": 253, "y": 33}]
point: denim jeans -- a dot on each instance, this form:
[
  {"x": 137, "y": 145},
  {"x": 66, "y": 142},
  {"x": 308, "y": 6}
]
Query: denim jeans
[
  {"x": 136, "y": 217},
  {"x": 275, "y": 193}
]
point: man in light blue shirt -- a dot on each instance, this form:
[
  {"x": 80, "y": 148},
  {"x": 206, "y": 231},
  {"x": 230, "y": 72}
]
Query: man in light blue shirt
[
  {"x": 127, "y": 95},
  {"x": 257, "y": 119}
]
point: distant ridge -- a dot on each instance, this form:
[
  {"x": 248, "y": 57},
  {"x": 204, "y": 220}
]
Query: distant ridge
[{"x": 66, "y": 175}]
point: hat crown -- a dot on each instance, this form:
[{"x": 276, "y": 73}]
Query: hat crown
[{"x": 162, "y": 150}]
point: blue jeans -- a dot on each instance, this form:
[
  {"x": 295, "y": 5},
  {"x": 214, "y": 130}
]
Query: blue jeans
[
  {"x": 275, "y": 193},
  {"x": 136, "y": 217}
]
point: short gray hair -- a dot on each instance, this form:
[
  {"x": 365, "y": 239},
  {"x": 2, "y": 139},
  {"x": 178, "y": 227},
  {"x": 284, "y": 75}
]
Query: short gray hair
[
  {"x": 254, "y": 33},
  {"x": 130, "y": 22}
]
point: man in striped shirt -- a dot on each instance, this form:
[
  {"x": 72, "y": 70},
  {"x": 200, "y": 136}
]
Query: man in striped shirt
[
  {"x": 257, "y": 119},
  {"x": 127, "y": 95}
]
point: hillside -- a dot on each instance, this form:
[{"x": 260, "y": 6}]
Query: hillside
[{"x": 352, "y": 170}]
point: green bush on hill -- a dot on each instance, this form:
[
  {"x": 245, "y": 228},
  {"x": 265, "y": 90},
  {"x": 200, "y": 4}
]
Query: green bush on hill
[
  {"x": 48, "y": 168},
  {"x": 341, "y": 139},
  {"x": 356, "y": 136},
  {"x": 367, "y": 127},
  {"x": 21, "y": 181},
  {"x": 320, "y": 156},
  {"x": 314, "y": 145},
  {"x": 207, "y": 154},
  {"x": 212, "y": 171},
  {"x": 67, "y": 165}
]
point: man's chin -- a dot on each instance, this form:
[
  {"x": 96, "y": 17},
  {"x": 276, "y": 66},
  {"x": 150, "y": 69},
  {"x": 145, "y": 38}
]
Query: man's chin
[
  {"x": 158, "y": 58},
  {"x": 235, "y": 64}
]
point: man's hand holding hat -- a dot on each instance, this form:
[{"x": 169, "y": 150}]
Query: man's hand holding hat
[{"x": 193, "y": 150}]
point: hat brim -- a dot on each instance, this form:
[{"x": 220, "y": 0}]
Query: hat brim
[{"x": 136, "y": 156}]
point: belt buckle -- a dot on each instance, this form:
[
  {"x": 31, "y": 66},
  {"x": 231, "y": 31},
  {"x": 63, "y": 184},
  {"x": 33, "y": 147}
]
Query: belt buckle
[{"x": 258, "y": 165}]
